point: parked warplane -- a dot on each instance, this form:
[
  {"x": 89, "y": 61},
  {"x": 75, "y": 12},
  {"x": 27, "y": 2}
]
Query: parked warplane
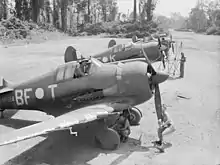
[
  {"x": 79, "y": 92},
  {"x": 123, "y": 51}
]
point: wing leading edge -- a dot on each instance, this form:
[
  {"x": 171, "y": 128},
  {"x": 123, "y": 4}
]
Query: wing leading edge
[{"x": 64, "y": 121}]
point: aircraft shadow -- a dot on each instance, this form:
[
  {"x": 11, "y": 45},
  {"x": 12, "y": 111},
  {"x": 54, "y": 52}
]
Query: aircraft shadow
[
  {"x": 16, "y": 123},
  {"x": 63, "y": 148},
  {"x": 9, "y": 113}
]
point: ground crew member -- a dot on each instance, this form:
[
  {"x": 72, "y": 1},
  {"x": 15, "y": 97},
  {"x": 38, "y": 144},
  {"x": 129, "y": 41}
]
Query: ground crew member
[
  {"x": 165, "y": 127},
  {"x": 182, "y": 63},
  {"x": 122, "y": 126}
]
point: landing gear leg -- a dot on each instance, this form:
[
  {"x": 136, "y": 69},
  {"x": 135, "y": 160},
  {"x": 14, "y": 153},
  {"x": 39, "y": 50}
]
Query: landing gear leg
[{"x": 107, "y": 138}]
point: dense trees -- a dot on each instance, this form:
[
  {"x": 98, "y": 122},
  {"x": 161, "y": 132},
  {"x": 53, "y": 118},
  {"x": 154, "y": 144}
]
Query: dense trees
[
  {"x": 63, "y": 13},
  {"x": 205, "y": 16},
  {"x": 76, "y": 17}
]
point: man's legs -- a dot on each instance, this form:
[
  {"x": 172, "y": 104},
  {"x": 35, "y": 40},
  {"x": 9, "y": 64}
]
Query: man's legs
[{"x": 160, "y": 135}]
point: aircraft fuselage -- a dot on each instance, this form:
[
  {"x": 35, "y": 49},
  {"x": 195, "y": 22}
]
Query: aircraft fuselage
[
  {"x": 122, "y": 52},
  {"x": 61, "y": 90}
]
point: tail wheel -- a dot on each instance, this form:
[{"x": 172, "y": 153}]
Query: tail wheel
[
  {"x": 135, "y": 116},
  {"x": 107, "y": 139}
]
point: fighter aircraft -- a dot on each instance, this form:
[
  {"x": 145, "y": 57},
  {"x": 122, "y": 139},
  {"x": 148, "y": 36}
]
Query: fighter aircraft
[
  {"x": 80, "y": 92},
  {"x": 123, "y": 51}
]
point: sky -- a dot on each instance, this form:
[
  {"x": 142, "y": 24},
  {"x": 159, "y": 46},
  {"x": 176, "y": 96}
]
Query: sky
[{"x": 164, "y": 7}]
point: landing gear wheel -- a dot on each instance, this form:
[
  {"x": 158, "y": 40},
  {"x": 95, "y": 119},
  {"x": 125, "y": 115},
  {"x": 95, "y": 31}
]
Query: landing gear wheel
[
  {"x": 111, "y": 43},
  {"x": 108, "y": 139},
  {"x": 135, "y": 116}
]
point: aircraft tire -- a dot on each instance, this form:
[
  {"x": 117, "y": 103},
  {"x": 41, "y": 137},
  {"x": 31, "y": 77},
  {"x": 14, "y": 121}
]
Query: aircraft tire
[
  {"x": 136, "y": 116},
  {"x": 107, "y": 139}
]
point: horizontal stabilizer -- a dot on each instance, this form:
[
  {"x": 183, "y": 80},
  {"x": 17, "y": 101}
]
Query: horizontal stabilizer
[
  {"x": 4, "y": 86},
  {"x": 5, "y": 90}
]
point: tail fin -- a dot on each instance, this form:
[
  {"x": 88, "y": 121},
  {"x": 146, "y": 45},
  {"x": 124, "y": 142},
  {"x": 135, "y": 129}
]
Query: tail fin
[
  {"x": 111, "y": 43},
  {"x": 4, "y": 86},
  {"x": 70, "y": 54}
]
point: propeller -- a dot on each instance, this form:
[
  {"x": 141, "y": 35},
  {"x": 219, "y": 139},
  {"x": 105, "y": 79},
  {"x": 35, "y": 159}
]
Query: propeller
[{"x": 155, "y": 79}]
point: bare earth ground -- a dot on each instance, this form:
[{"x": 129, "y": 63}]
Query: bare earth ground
[{"x": 197, "y": 119}]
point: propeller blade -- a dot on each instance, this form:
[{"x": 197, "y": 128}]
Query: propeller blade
[
  {"x": 150, "y": 67},
  {"x": 159, "y": 42},
  {"x": 145, "y": 55},
  {"x": 159, "y": 78},
  {"x": 157, "y": 101}
]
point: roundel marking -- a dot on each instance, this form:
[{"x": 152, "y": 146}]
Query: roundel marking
[
  {"x": 39, "y": 93},
  {"x": 105, "y": 59}
]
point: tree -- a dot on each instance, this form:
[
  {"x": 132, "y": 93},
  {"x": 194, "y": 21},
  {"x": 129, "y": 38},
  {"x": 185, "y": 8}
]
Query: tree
[
  {"x": 48, "y": 10},
  {"x": 146, "y": 9},
  {"x": 88, "y": 8},
  {"x": 124, "y": 16},
  {"x": 3, "y": 9},
  {"x": 198, "y": 19},
  {"x": 113, "y": 11},
  {"x": 105, "y": 6},
  {"x": 36, "y": 5},
  {"x": 56, "y": 8},
  {"x": 64, "y": 4},
  {"x": 135, "y": 10},
  {"x": 80, "y": 6}
]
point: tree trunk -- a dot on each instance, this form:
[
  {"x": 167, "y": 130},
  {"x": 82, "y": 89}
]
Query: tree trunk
[
  {"x": 77, "y": 19},
  {"x": 149, "y": 10},
  {"x": 104, "y": 13},
  {"x": 1, "y": 9},
  {"x": 47, "y": 10},
  {"x": 135, "y": 10},
  {"x": 64, "y": 4},
  {"x": 89, "y": 3},
  {"x": 35, "y": 10},
  {"x": 56, "y": 13},
  {"x": 26, "y": 13},
  {"x": 5, "y": 9}
]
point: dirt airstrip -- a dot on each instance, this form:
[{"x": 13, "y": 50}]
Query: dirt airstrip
[{"x": 196, "y": 115}]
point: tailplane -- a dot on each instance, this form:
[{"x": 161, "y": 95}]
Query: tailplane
[{"x": 4, "y": 86}]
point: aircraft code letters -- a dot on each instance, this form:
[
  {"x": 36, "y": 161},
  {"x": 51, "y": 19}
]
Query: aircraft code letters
[{"x": 22, "y": 95}]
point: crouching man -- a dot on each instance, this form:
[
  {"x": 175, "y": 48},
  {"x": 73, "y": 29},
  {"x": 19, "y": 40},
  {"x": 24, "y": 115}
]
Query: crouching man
[{"x": 122, "y": 126}]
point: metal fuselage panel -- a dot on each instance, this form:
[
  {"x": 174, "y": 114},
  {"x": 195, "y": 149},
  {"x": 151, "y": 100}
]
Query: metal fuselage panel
[{"x": 122, "y": 84}]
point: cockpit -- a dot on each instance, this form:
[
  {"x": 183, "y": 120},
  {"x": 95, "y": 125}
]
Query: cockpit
[
  {"x": 121, "y": 47},
  {"x": 77, "y": 69}
]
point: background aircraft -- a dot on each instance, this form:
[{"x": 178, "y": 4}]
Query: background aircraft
[
  {"x": 154, "y": 47},
  {"x": 122, "y": 52},
  {"x": 80, "y": 92}
]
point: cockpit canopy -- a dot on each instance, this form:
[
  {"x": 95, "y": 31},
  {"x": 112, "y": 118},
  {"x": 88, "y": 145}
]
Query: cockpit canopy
[{"x": 77, "y": 69}]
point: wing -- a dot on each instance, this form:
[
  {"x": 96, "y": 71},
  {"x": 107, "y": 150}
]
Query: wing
[{"x": 64, "y": 121}]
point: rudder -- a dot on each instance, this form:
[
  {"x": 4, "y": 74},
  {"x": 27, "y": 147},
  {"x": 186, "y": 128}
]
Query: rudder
[{"x": 70, "y": 54}]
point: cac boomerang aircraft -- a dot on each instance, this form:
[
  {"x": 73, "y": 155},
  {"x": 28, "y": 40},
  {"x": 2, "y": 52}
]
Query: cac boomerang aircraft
[
  {"x": 80, "y": 92},
  {"x": 119, "y": 52}
]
